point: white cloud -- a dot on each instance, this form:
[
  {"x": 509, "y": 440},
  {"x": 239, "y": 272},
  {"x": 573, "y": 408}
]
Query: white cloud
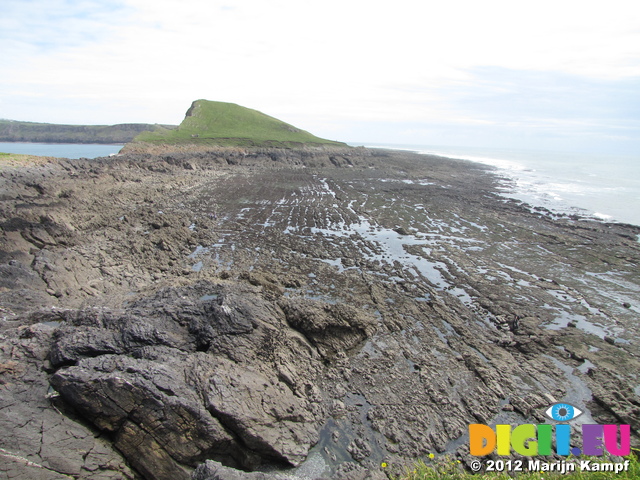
[{"x": 310, "y": 64}]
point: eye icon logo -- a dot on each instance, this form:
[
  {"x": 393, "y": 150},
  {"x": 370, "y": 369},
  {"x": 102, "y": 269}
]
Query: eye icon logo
[{"x": 563, "y": 412}]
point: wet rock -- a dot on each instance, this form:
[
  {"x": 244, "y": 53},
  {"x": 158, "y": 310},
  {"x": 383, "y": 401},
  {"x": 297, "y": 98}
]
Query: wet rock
[{"x": 617, "y": 400}]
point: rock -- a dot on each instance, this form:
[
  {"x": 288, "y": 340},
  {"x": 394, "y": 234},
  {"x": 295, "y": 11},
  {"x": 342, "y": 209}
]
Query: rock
[
  {"x": 170, "y": 376},
  {"x": 44, "y": 442},
  {"x": 303, "y": 318},
  {"x": 616, "y": 401},
  {"x": 142, "y": 402},
  {"x": 211, "y": 470},
  {"x": 262, "y": 411},
  {"x": 333, "y": 329}
]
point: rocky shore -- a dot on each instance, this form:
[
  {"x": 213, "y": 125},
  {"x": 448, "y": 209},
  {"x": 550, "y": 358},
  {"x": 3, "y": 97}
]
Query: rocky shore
[{"x": 295, "y": 314}]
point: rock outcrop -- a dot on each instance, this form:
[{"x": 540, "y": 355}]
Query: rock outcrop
[
  {"x": 210, "y": 371},
  {"x": 270, "y": 314}
]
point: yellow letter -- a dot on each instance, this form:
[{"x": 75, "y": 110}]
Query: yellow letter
[{"x": 503, "y": 433}]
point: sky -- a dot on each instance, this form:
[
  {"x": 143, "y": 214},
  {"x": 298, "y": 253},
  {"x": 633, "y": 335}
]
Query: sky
[{"x": 549, "y": 75}]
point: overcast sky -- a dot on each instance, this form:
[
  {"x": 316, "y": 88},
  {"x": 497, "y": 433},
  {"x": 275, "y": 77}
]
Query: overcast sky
[{"x": 533, "y": 74}]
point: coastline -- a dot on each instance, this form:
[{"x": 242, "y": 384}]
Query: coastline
[
  {"x": 365, "y": 296},
  {"x": 597, "y": 186}
]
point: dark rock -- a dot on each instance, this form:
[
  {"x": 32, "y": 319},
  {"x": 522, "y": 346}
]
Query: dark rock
[
  {"x": 211, "y": 470},
  {"x": 43, "y": 442},
  {"x": 147, "y": 381}
]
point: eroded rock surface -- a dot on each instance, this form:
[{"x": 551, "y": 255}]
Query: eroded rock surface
[
  {"x": 295, "y": 314},
  {"x": 210, "y": 371}
]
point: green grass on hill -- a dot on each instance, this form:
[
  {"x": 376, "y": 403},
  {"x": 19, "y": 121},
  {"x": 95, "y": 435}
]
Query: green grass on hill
[
  {"x": 228, "y": 124},
  {"x": 445, "y": 468}
]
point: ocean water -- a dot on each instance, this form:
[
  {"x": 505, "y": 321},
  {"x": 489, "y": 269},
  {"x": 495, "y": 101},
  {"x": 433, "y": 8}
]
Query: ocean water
[
  {"x": 605, "y": 187},
  {"x": 63, "y": 150}
]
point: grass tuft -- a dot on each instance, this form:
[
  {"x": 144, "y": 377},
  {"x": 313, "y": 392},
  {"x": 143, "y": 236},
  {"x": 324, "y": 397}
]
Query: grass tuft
[
  {"x": 20, "y": 160},
  {"x": 447, "y": 468}
]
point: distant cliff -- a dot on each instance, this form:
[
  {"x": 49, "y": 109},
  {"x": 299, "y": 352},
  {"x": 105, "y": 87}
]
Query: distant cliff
[{"x": 13, "y": 131}]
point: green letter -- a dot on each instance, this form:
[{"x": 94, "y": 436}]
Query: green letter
[
  {"x": 544, "y": 439},
  {"x": 522, "y": 435}
]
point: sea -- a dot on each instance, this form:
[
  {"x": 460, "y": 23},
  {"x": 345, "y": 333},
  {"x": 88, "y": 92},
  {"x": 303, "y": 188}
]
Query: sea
[
  {"x": 63, "y": 150},
  {"x": 599, "y": 186}
]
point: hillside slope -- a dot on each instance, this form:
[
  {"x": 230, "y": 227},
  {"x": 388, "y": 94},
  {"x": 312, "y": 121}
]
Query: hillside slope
[
  {"x": 227, "y": 124},
  {"x": 14, "y": 131}
]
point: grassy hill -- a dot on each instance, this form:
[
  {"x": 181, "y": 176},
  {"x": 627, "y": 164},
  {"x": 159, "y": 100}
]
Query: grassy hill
[
  {"x": 228, "y": 124},
  {"x": 14, "y": 131}
]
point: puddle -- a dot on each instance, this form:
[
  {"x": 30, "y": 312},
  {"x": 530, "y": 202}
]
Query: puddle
[
  {"x": 425, "y": 298},
  {"x": 315, "y": 466},
  {"x": 578, "y": 393},
  {"x": 369, "y": 349},
  {"x": 212, "y": 296},
  {"x": 334, "y": 263},
  {"x": 52, "y": 323},
  {"x": 440, "y": 334},
  {"x": 390, "y": 248},
  {"x": 586, "y": 366},
  {"x": 197, "y": 267},
  {"x": 484, "y": 359},
  {"x": 412, "y": 366},
  {"x": 581, "y": 322},
  {"x": 200, "y": 250}
]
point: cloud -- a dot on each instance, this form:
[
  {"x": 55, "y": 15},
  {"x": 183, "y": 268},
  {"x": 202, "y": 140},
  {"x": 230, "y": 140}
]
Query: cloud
[
  {"x": 51, "y": 25},
  {"x": 506, "y": 95},
  {"x": 324, "y": 65}
]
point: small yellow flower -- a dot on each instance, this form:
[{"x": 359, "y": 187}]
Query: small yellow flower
[
  {"x": 432, "y": 456},
  {"x": 384, "y": 465}
]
